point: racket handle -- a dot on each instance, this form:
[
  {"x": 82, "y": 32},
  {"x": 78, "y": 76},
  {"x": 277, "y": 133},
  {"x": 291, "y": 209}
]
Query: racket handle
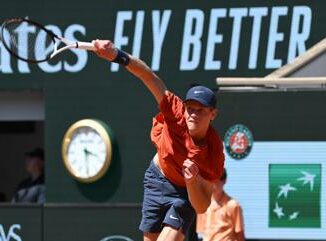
[{"x": 86, "y": 46}]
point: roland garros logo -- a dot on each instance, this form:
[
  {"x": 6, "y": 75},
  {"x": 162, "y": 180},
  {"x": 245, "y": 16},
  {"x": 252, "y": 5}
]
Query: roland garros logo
[{"x": 238, "y": 141}]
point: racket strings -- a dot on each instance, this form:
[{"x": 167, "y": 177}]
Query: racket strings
[
  {"x": 27, "y": 41},
  {"x": 10, "y": 38}
]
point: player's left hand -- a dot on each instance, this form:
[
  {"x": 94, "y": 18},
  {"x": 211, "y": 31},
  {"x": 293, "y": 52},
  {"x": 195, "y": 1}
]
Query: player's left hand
[{"x": 190, "y": 170}]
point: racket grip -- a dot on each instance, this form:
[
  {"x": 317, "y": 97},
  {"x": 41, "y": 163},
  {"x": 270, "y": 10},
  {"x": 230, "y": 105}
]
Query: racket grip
[{"x": 86, "y": 46}]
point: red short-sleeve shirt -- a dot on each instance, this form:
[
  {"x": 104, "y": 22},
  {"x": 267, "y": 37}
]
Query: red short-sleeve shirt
[{"x": 174, "y": 144}]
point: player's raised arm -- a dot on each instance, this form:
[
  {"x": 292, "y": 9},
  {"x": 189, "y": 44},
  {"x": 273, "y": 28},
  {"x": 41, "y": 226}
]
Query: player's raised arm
[{"x": 106, "y": 49}]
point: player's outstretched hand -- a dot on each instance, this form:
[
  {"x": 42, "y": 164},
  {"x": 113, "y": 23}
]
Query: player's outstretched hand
[
  {"x": 190, "y": 170},
  {"x": 105, "y": 49}
]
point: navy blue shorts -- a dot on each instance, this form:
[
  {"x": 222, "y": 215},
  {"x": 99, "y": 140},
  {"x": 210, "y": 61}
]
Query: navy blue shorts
[{"x": 164, "y": 203}]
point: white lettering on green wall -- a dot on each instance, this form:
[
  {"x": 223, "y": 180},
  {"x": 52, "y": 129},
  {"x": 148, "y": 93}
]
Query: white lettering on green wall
[
  {"x": 227, "y": 39},
  {"x": 6, "y": 65}
]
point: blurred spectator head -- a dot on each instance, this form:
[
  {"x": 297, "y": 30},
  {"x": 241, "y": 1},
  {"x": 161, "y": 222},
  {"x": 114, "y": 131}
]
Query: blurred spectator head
[{"x": 35, "y": 161}]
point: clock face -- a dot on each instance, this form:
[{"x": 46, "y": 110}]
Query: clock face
[{"x": 87, "y": 151}]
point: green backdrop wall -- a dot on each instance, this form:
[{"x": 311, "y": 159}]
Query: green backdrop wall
[{"x": 184, "y": 42}]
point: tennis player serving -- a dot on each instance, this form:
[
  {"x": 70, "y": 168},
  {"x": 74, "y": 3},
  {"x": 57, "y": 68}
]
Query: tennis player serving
[{"x": 178, "y": 183}]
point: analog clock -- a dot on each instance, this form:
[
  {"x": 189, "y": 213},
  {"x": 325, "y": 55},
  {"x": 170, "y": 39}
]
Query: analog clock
[{"x": 87, "y": 150}]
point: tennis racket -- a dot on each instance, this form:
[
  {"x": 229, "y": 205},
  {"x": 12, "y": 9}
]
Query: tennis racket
[{"x": 39, "y": 44}]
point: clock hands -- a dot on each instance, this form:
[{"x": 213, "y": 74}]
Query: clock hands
[{"x": 87, "y": 153}]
